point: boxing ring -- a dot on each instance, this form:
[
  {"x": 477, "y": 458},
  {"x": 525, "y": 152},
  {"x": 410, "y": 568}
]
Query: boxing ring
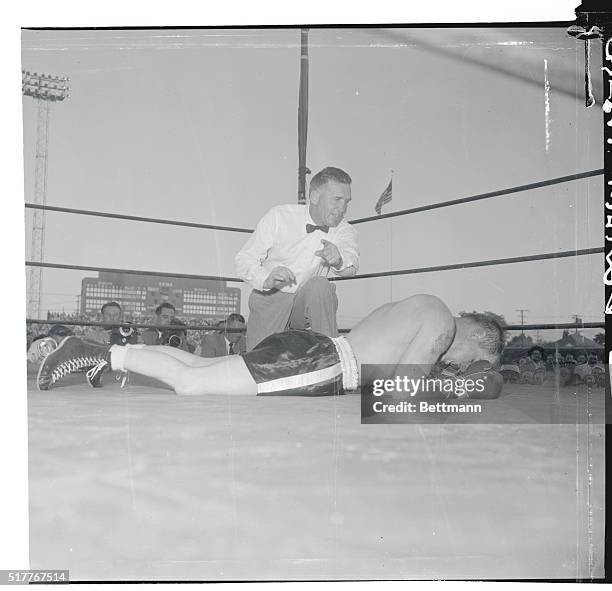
[{"x": 140, "y": 484}]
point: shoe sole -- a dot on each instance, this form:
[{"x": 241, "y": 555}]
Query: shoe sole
[{"x": 43, "y": 363}]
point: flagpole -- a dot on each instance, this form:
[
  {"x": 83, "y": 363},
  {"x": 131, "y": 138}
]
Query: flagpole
[
  {"x": 303, "y": 118},
  {"x": 385, "y": 197},
  {"x": 391, "y": 252}
]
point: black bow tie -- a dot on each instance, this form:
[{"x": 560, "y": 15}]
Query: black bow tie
[{"x": 311, "y": 228}]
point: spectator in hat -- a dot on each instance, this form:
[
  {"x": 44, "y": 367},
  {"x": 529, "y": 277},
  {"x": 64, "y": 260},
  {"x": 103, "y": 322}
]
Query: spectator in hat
[
  {"x": 165, "y": 315},
  {"x": 219, "y": 344},
  {"x": 111, "y": 334}
]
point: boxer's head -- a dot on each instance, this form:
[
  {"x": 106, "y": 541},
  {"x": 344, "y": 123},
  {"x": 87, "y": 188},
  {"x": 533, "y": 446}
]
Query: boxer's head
[
  {"x": 478, "y": 338},
  {"x": 330, "y": 194}
]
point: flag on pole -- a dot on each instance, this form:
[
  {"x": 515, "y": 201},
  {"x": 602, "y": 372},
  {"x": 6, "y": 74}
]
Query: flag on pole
[{"x": 385, "y": 197}]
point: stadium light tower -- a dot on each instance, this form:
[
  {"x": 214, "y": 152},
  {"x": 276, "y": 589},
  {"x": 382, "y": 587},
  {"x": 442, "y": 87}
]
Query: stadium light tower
[{"x": 45, "y": 89}]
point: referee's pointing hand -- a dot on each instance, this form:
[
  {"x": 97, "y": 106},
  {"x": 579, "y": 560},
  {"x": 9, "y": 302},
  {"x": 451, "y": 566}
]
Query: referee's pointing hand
[{"x": 330, "y": 254}]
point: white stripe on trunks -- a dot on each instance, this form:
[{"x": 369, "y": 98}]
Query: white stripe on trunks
[
  {"x": 350, "y": 367},
  {"x": 301, "y": 380}
]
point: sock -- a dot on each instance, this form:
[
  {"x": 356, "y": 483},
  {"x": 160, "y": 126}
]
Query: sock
[
  {"x": 118, "y": 353},
  {"x": 117, "y": 357}
]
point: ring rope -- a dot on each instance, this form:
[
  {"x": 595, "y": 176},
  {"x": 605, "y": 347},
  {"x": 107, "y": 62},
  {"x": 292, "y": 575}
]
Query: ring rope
[
  {"x": 181, "y": 327},
  {"x": 521, "y": 259},
  {"x": 517, "y": 189},
  {"x": 526, "y": 258},
  {"x": 135, "y": 218},
  {"x": 554, "y": 326},
  {"x": 175, "y": 327},
  {"x": 130, "y": 271}
]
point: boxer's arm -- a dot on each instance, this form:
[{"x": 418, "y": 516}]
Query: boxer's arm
[
  {"x": 479, "y": 381},
  {"x": 489, "y": 382},
  {"x": 424, "y": 350}
]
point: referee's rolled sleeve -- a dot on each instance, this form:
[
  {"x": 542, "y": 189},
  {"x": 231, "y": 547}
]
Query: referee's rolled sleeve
[
  {"x": 250, "y": 258},
  {"x": 346, "y": 242}
]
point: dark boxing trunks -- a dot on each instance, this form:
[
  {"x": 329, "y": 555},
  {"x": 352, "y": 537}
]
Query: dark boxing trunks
[{"x": 299, "y": 363}]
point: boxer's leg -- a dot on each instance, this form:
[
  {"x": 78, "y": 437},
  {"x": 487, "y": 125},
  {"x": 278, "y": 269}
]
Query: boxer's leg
[
  {"x": 315, "y": 307},
  {"x": 185, "y": 357},
  {"x": 224, "y": 375}
]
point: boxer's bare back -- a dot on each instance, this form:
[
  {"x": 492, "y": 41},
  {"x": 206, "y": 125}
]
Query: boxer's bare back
[{"x": 414, "y": 332}]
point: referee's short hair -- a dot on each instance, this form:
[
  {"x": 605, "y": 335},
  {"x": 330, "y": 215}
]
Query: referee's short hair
[{"x": 330, "y": 173}]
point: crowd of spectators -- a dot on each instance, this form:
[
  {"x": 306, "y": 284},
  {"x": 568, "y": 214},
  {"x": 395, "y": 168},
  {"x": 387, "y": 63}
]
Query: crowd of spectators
[
  {"x": 201, "y": 342},
  {"x": 538, "y": 366}
]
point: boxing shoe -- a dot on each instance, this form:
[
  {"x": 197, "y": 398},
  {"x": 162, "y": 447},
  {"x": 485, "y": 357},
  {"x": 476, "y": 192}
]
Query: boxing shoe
[
  {"x": 72, "y": 355},
  {"x": 95, "y": 375},
  {"x": 40, "y": 348}
]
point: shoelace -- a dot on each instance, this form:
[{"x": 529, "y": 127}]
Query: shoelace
[
  {"x": 71, "y": 365},
  {"x": 123, "y": 377},
  {"x": 100, "y": 364}
]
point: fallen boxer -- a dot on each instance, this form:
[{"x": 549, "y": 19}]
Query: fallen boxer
[{"x": 418, "y": 333}]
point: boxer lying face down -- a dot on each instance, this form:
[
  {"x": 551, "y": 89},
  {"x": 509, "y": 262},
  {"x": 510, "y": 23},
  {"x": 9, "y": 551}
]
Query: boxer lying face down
[{"x": 412, "y": 336}]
